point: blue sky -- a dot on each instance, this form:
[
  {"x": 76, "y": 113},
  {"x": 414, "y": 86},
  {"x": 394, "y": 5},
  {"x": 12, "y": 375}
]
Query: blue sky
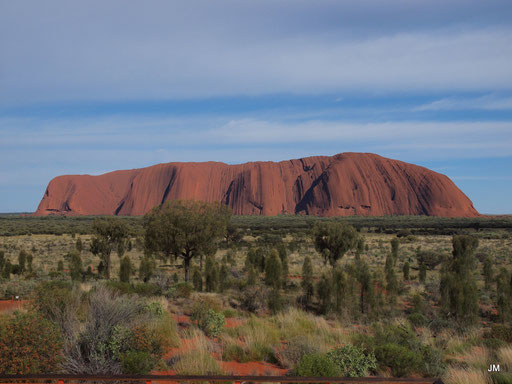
[{"x": 90, "y": 87}]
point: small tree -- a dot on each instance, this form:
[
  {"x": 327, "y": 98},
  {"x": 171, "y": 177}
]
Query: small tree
[
  {"x": 273, "y": 272},
  {"x": 211, "y": 274},
  {"x": 394, "y": 250},
  {"x": 185, "y": 229},
  {"x": 79, "y": 245},
  {"x": 405, "y": 270},
  {"x": 307, "y": 281},
  {"x": 283, "y": 256},
  {"x": 459, "y": 295},
  {"x": 30, "y": 259},
  {"x": 2, "y": 260},
  {"x": 60, "y": 266},
  {"x": 146, "y": 269},
  {"x": 391, "y": 280},
  {"x": 488, "y": 272},
  {"x": 125, "y": 270},
  {"x": 75, "y": 266},
  {"x": 252, "y": 275},
  {"x": 334, "y": 239},
  {"x": 109, "y": 234},
  {"x": 22, "y": 258},
  {"x": 223, "y": 277},
  {"x": 197, "y": 280},
  {"x": 324, "y": 292},
  {"x": 422, "y": 275}
]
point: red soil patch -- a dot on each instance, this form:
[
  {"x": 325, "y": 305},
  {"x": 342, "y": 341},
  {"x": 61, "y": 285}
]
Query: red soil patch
[
  {"x": 9, "y": 305},
  {"x": 252, "y": 368},
  {"x": 186, "y": 346},
  {"x": 233, "y": 322}
]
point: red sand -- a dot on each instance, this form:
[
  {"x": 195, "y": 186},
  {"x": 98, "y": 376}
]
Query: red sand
[
  {"x": 9, "y": 305},
  {"x": 341, "y": 185},
  {"x": 252, "y": 368}
]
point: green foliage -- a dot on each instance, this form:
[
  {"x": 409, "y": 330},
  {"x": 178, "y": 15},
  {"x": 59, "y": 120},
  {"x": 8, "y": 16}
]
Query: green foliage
[
  {"x": 224, "y": 281},
  {"x": 334, "y": 239},
  {"x": 273, "y": 272},
  {"x": 185, "y": 229},
  {"x": 324, "y": 293},
  {"x": 29, "y": 345},
  {"x": 459, "y": 295},
  {"x": 79, "y": 246},
  {"x": 208, "y": 320},
  {"x": 184, "y": 289},
  {"x": 75, "y": 266},
  {"x": 109, "y": 234},
  {"x": 405, "y": 270},
  {"x": 353, "y": 361},
  {"x": 398, "y": 348},
  {"x": 197, "y": 280},
  {"x": 137, "y": 362},
  {"x": 422, "y": 275},
  {"x": 400, "y": 359},
  {"x": 488, "y": 272},
  {"x": 316, "y": 365},
  {"x": 22, "y": 259},
  {"x": 394, "y": 250},
  {"x": 500, "y": 332},
  {"x": 211, "y": 271},
  {"x": 307, "y": 281},
  {"x": 125, "y": 270},
  {"x": 252, "y": 275},
  {"x": 146, "y": 268}
]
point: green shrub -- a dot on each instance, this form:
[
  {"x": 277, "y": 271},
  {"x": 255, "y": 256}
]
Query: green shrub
[
  {"x": 432, "y": 364},
  {"x": 417, "y": 319},
  {"x": 137, "y": 362},
  {"x": 155, "y": 308},
  {"x": 494, "y": 344},
  {"x": 208, "y": 320},
  {"x": 235, "y": 352},
  {"x": 353, "y": 361},
  {"x": 316, "y": 365},
  {"x": 184, "y": 289},
  {"x": 400, "y": 359},
  {"x": 500, "y": 332}
]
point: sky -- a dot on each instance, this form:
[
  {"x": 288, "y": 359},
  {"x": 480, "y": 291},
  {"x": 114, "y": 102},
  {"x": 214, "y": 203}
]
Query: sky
[{"x": 91, "y": 87}]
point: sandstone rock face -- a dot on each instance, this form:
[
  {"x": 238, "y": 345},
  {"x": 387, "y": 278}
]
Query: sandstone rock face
[{"x": 341, "y": 185}]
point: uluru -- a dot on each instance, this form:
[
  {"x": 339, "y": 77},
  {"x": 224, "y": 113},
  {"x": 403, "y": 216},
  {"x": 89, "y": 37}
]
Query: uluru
[{"x": 340, "y": 185}]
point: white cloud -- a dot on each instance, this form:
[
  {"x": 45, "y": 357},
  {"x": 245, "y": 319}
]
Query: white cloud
[{"x": 61, "y": 52}]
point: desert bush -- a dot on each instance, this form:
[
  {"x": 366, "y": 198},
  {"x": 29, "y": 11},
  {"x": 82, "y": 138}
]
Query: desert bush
[
  {"x": 184, "y": 289},
  {"x": 316, "y": 365},
  {"x": 97, "y": 347},
  {"x": 208, "y": 320},
  {"x": 353, "y": 361},
  {"x": 252, "y": 299},
  {"x": 401, "y": 360},
  {"x": 29, "y": 344},
  {"x": 501, "y": 378},
  {"x": 59, "y": 302},
  {"x": 500, "y": 332},
  {"x": 137, "y": 362},
  {"x": 295, "y": 350}
]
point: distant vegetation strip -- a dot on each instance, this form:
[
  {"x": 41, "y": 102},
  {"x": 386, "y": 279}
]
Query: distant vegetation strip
[{"x": 15, "y": 225}]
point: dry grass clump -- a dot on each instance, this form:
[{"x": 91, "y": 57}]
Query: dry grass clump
[
  {"x": 466, "y": 376},
  {"x": 197, "y": 360},
  {"x": 295, "y": 322},
  {"x": 505, "y": 357}
]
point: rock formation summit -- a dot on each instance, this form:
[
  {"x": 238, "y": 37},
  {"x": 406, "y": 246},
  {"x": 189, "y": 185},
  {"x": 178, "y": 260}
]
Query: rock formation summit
[{"x": 340, "y": 185}]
